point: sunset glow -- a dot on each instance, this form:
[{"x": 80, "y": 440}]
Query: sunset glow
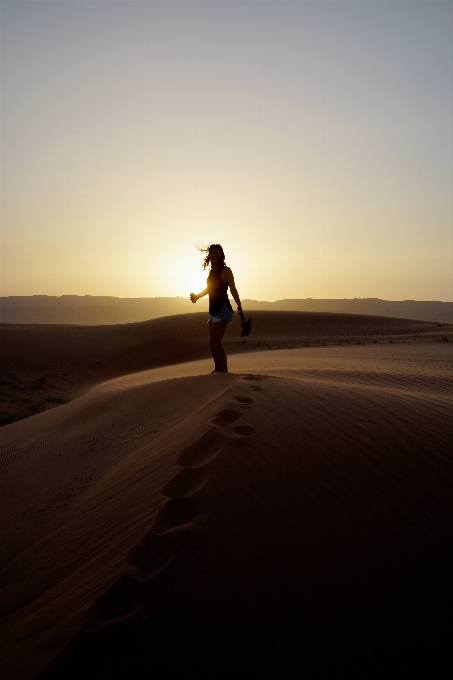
[{"x": 311, "y": 139}]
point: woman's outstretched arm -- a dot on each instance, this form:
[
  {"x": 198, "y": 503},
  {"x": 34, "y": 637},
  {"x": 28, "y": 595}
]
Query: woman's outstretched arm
[{"x": 194, "y": 297}]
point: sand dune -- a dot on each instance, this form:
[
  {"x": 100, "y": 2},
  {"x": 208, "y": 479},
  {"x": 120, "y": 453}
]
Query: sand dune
[
  {"x": 44, "y": 366},
  {"x": 296, "y": 511}
]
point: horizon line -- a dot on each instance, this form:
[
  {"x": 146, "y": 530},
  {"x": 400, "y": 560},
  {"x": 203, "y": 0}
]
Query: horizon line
[{"x": 178, "y": 297}]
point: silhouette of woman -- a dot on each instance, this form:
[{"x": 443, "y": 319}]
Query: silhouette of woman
[{"x": 220, "y": 310}]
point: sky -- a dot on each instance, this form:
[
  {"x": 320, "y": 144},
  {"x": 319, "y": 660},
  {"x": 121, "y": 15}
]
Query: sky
[{"x": 313, "y": 139}]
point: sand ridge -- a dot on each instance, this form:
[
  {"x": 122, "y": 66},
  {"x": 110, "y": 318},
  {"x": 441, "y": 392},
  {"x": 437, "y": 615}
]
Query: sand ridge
[{"x": 42, "y": 366}]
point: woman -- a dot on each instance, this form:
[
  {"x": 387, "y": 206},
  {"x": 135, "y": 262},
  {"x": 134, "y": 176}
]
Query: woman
[{"x": 220, "y": 309}]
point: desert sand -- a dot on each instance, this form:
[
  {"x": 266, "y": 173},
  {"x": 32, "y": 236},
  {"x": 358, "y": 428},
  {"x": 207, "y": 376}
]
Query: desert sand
[
  {"x": 292, "y": 515},
  {"x": 42, "y": 366}
]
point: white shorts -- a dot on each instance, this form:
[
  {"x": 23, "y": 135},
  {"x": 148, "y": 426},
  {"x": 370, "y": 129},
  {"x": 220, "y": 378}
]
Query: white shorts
[{"x": 225, "y": 314}]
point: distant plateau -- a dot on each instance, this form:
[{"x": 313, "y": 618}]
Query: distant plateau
[{"x": 93, "y": 310}]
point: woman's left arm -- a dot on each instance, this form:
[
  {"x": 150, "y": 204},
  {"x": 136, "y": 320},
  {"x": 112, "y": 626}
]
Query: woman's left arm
[{"x": 230, "y": 280}]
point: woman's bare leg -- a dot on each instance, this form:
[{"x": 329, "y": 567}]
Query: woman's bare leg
[
  {"x": 216, "y": 368},
  {"x": 217, "y": 332}
]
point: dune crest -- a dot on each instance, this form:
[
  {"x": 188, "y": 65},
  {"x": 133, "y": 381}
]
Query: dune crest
[{"x": 43, "y": 366}]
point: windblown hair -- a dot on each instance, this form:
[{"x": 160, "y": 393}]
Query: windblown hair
[{"x": 207, "y": 250}]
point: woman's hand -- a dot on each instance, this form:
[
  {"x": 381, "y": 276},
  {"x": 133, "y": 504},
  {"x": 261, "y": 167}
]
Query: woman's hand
[{"x": 195, "y": 297}]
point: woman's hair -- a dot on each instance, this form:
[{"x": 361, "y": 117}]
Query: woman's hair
[{"x": 207, "y": 250}]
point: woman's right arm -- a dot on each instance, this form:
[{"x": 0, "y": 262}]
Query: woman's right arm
[{"x": 194, "y": 297}]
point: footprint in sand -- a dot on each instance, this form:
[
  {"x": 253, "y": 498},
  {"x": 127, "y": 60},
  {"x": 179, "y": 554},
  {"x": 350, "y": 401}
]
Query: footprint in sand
[
  {"x": 226, "y": 418},
  {"x": 203, "y": 451},
  {"x": 187, "y": 482},
  {"x": 255, "y": 378},
  {"x": 177, "y": 514},
  {"x": 237, "y": 435},
  {"x": 172, "y": 530},
  {"x": 241, "y": 435},
  {"x": 153, "y": 554},
  {"x": 120, "y": 601},
  {"x": 244, "y": 430}
]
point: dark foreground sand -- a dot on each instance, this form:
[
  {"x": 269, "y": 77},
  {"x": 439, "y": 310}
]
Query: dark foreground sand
[{"x": 293, "y": 514}]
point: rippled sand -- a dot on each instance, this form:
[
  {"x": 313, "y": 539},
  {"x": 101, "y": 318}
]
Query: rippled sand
[{"x": 293, "y": 513}]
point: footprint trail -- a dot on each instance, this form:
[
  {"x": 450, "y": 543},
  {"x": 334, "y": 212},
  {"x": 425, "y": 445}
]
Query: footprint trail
[{"x": 118, "y": 612}]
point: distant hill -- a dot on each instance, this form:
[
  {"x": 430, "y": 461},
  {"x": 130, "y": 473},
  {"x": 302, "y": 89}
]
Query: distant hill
[
  {"x": 93, "y": 310},
  {"x": 431, "y": 310}
]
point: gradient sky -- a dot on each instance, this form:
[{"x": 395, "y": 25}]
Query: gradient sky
[{"x": 313, "y": 139}]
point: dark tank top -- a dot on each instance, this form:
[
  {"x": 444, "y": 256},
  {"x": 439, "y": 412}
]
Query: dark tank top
[{"x": 217, "y": 290}]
